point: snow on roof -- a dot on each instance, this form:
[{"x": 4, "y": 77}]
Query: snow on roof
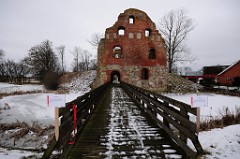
[
  {"x": 194, "y": 73},
  {"x": 228, "y": 68}
]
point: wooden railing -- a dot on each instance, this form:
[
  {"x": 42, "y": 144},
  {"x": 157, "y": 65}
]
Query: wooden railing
[
  {"x": 171, "y": 115},
  {"x": 85, "y": 107}
]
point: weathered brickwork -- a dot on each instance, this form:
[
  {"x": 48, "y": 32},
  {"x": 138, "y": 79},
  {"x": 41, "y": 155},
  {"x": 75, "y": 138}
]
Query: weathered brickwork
[{"x": 133, "y": 50}]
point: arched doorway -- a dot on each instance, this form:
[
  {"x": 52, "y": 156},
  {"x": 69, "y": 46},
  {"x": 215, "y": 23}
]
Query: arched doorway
[{"x": 115, "y": 77}]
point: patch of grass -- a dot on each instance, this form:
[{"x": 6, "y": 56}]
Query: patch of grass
[
  {"x": 59, "y": 91},
  {"x": 20, "y": 93},
  {"x": 20, "y": 133},
  {"x": 24, "y": 128},
  {"x": 68, "y": 77},
  {"x": 227, "y": 117}
]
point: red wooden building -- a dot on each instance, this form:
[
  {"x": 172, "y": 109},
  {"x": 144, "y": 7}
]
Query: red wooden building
[
  {"x": 132, "y": 51},
  {"x": 227, "y": 76}
]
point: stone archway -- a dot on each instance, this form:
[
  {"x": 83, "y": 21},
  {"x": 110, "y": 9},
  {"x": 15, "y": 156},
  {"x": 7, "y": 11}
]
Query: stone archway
[{"x": 115, "y": 77}]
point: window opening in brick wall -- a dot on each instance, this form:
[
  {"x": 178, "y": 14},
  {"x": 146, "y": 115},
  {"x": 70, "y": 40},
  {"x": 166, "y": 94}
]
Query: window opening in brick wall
[
  {"x": 145, "y": 74},
  {"x": 121, "y": 30},
  {"x": 147, "y": 32},
  {"x": 152, "y": 54},
  {"x": 131, "y": 19},
  {"x": 117, "y": 52}
]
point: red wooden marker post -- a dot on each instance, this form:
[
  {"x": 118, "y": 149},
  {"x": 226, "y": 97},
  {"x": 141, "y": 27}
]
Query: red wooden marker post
[
  {"x": 74, "y": 108},
  {"x": 56, "y": 101}
]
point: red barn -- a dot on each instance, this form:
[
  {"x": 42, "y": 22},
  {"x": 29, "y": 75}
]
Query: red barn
[
  {"x": 132, "y": 51},
  {"x": 227, "y": 76}
]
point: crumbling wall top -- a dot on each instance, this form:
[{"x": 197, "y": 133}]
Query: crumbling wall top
[{"x": 137, "y": 15}]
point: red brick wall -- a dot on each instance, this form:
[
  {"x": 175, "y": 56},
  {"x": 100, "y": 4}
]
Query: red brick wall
[{"x": 135, "y": 48}]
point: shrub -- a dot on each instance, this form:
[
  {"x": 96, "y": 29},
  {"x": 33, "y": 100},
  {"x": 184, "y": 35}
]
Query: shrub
[
  {"x": 227, "y": 118},
  {"x": 50, "y": 81}
]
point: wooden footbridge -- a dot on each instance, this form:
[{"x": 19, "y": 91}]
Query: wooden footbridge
[{"x": 124, "y": 121}]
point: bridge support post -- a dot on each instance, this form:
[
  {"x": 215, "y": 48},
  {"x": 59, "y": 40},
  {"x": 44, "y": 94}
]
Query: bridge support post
[
  {"x": 56, "y": 123},
  {"x": 165, "y": 122},
  {"x": 183, "y": 112}
]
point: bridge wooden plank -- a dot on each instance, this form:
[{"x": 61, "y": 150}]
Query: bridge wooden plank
[
  {"x": 110, "y": 112},
  {"x": 92, "y": 141},
  {"x": 184, "y": 146},
  {"x": 179, "y": 120}
]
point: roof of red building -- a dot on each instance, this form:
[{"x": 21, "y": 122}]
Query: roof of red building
[{"x": 228, "y": 68}]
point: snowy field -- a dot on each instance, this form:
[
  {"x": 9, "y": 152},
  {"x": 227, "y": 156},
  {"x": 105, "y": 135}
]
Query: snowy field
[
  {"x": 33, "y": 107},
  {"x": 11, "y": 88},
  {"x": 29, "y": 107},
  {"x": 221, "y": 143},
  {"x": 16, "y": 154},
  {"x": 216, "y": 103}
]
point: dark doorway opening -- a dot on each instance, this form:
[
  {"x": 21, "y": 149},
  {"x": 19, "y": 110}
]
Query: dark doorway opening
[
  {"x": 115, "y": 77},
  {"x": 145, "y": 74}
]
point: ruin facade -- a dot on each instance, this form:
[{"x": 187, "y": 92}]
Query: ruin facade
[{"x": 132, "y": 51}]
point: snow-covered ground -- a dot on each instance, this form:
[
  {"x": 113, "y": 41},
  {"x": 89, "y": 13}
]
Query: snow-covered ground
[
  {"x": 16, "y": 154},
  {"x": 216, "y": 103},
  {"x": 221, "y": 143},
  {"x": 81, "y": 82},
  {"x": 29, "y": 108},
  {"x": 11, "y": 88},
  {"x": 33, "y": 108}
]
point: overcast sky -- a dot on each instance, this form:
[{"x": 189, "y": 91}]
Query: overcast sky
[{"x": 25, "y": 23}]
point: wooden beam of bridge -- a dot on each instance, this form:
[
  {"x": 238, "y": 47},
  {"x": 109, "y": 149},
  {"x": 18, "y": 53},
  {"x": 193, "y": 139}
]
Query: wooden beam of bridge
[
  {"x": 118, "y": 129},
  {"x": 114, "y": 122}
]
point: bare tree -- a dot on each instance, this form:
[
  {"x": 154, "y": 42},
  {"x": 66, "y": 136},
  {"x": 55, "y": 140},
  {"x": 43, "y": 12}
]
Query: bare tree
[
  {"x": 10, "y": 66},
  {"x": 86, "y": 55},
  {"x": 2, "y": 70},
  {"x": 76, "y": 54},
  {"x": 95, "y": 40},
  {"x": 11, "y": 71},
  {"x": 61, "y": 52},
  {"x": 93, "y": 64},
  {"x": 20, "y": 71},
  {"x": 2, "y": 54},
  {"x": 2, "y": 65},
  {"x": 81, "y": 59},
  {"x": 42, "y": 59},
  {"x": 175, "y": 27}
]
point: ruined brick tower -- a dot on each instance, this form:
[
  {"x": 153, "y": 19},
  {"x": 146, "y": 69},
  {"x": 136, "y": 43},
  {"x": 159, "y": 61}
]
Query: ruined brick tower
[{"x": 133, "y": 51}]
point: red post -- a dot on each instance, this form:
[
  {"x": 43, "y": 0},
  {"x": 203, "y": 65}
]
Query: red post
[{"x": 74, "y": 123}]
